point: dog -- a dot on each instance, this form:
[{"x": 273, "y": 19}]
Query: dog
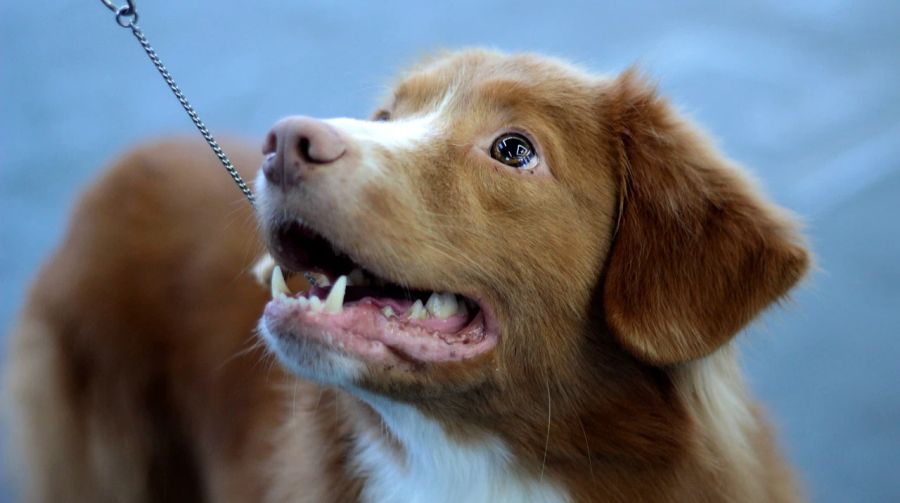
[{"x": 525, "y": 281}]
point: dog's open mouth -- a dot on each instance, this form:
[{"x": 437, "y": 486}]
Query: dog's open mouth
[{"x": 354, "y": 311}]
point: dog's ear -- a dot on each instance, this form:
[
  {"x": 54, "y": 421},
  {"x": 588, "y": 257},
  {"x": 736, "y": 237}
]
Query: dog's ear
[{"x": 697, "y": 252}]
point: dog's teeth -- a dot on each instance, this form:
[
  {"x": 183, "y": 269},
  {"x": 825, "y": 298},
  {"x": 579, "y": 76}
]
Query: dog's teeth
[
  {"x": 279, "y": 287},
  {"x": 442, "y": 305},
  {"x": 417, "y": 311},
  {"x": 388, "y": 311},
  {"x": 317, "y": 279},
  {"x": 315, "y": 304},
  {"x": 357, "y": 278},
  {"x": 303, "y": 301},
  {"x": 434, "y": 304},
  {"x": 262, "y": 269},
  {"x": 335, "y": 301}
]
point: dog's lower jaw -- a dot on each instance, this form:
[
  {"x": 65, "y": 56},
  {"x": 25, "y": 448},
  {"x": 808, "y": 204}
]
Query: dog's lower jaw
[
  {"x": 310, "y": 360},
  {"x": 434, "y": 467},
  {"x": 429, "y": 466}
]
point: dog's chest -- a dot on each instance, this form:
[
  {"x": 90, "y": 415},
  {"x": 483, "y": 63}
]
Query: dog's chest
[{"x": 433, "y": 468}]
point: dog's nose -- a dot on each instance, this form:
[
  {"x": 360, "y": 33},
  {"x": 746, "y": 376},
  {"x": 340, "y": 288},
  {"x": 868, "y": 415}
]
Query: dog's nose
[{"x": 297, "y": 145}]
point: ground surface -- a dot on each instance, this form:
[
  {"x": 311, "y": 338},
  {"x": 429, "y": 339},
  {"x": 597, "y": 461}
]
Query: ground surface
[{"x": 806, "y": 93}]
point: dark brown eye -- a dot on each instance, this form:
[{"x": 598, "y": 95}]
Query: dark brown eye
[
  {"x": 382, "y": 116},
  {"x": 515, "y": 151}
]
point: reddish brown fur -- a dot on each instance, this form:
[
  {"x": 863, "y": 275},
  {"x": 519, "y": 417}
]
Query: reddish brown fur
[
  {"x": 655, "y": 249},
  {"x": 727, "y": 253}
]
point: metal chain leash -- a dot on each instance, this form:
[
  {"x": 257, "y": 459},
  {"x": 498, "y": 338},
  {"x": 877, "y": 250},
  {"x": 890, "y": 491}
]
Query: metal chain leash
[{"x": 127, "y": 17}]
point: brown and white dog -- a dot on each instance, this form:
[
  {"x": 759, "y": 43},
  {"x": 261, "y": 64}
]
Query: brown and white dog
[{"x": 530, "y": 278}]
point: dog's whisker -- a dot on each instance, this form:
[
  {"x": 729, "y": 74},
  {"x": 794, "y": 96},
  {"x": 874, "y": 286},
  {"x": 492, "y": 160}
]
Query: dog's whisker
[
  {"x": 587, "y": 447},
  {"x": 549, "y": 416},
  {"x": 319, "y": 398},
  {"x": 254, "y": 343}
]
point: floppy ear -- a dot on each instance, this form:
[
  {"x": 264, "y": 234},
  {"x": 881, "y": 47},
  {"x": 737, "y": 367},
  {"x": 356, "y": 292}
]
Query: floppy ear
[{"x": 697, "y": 252}]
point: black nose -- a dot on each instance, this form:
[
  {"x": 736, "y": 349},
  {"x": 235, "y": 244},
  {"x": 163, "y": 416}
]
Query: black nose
[{"x": 297, "y": 145}]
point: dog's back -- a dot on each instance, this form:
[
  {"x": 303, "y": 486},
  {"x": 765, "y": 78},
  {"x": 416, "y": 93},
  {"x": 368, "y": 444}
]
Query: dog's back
[{"x": 132, "y": 368}]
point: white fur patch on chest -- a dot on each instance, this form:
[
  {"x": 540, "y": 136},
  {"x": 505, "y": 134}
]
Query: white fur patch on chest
[{"x": 437, "y": 468}]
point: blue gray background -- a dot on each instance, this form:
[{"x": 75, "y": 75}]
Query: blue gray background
[{"x": 805, "y": 93}]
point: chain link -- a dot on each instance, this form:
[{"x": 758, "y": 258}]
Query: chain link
[{"x": 126, "y": 17}]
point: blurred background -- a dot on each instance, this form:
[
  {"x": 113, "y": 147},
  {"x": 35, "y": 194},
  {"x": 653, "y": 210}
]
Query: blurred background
[{"x": 806, "y": 94}]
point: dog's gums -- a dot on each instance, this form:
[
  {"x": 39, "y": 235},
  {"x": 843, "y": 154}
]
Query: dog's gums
[
  {"x": 379, "y": 329},
  {"x": 365, "y": 316}
]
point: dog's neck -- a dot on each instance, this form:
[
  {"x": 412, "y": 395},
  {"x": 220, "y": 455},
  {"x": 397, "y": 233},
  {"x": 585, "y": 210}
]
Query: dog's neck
[
  {"x": 409, "y": 457},
  {"x": 401, "y": 454}
]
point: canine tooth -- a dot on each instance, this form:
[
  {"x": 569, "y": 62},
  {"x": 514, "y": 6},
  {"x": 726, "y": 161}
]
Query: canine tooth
[
  {"x": 417, "y": 311},
  {"x": 335, "y": 301},
  {"x": 315, "y": 304},
  {"x": 279, "y": 287},
  {"x": 262, "y": 270},
  {"x": 388, "y": 311},
  {"x": 442, "y": 305}
]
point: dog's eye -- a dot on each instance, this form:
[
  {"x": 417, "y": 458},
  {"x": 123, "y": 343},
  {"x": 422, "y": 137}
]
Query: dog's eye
[
  {"x": 382, "y": 116},
  {"x": 515, "y": 151}
]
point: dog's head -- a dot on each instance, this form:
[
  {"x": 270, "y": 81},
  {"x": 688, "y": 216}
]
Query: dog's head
[{"x": 511, "y": 224}]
